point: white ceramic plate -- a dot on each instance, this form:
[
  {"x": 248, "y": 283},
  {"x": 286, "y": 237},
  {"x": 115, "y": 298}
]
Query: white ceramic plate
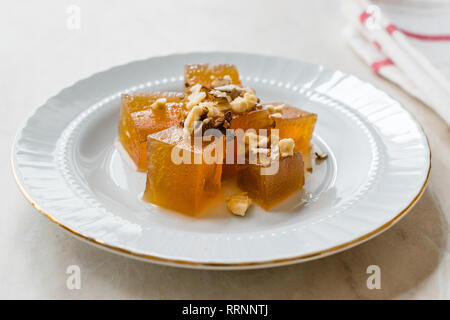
[{"x": 69, "y": 167}]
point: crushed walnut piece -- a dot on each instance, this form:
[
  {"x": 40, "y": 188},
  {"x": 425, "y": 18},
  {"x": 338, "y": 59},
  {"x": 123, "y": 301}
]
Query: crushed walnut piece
[
  {"x": 320, "y": 157},
  {"x": 275, "y": 109},
  {"x": 206, "y": 116},
  {"x": 218, "y": 82},
  {"x": 221, "y": 123},
  {"x": 239, "y": 203},
  {"x": 194, "y": 115},
  {"x": 195, "y": 97},
  {"x": 230, "y": 88},
  {"x": 212, "y": 110},
  {"x": 232, "y": 91},
  {"x": 276, "y": 115},
  {"x": 286, "y": 147},
  {"x": 246, "y": 103},
  {"x": 223, "y": 96},
  {"x": 265, "y": 148},
  {"x": 159, "y": 104}
]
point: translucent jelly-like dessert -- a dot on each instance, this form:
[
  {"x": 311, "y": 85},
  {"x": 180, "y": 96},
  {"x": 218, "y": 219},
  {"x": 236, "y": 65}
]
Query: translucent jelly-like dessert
[
  {"x": 255, "y": 119},
  {"x": 138, "y": 119},
  {"x": 208, "y": 75},
  {"x": 177, "y": 185},
  {"x": 296, "y": 124},
  {"x": 166, "y": 134},
  {"x": 270, "y": 190}
]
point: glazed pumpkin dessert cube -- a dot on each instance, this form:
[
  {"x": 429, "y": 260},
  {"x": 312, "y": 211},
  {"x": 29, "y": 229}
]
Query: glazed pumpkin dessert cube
[
  {"x": 150, "y": 121},
  {"x": 296, "y": 124},
  {"x": 175, "y": 179},
  {"x": 272, "y": 181},
  {"x": 210, "y": 76},
  {"x": 254, "y": 119},
  {"x": 190, "y": 142},
  {"x": 145, "y": 113}
]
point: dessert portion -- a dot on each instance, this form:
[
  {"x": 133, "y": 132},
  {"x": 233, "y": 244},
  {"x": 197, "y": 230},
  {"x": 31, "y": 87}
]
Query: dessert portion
[
  {"x": 188, "y": 143},
  {"x": 297, "y": 124},
  {"x": 179, "y": 176},
  {"x": 146, "y": 113},
  {"x": 210, "y": 76},
  {"x": 275, "y": 175}
]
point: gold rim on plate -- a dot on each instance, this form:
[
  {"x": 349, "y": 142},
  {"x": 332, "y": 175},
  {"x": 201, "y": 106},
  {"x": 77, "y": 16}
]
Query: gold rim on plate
[{"x": 267, "y": 263}]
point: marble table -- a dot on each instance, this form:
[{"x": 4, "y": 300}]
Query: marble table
[{"x": 43, "y": 51}]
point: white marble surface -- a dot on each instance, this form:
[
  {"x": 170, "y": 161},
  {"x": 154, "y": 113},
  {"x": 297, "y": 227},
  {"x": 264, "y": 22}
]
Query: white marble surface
[{"x": 40, "y": 56}]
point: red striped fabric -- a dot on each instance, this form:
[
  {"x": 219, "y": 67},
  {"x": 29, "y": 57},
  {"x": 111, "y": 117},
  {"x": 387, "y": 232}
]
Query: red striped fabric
[
  {"x": 376, "y": 66},
  {"x": 391, "y": 28}
]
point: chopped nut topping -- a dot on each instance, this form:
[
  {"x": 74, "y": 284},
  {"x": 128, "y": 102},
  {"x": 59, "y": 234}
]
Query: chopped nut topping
[
  {"x": 230, "y": 88},
  {"x": 194, "y": 115},
  {"x": 195, "y": 98},
  {"x": 210, "y": 117},
  {"x": 211, "y": 108},
  {"x": 159, "y": 104},
  {"x": 265, "y": 148},
  {"x": 218, "y": 94},
  {"x": 226, "y": 80},
  {"x": 221, "y": 123},
  {"x": 321, "y": 157},
  {"x": 246, "y": 103},
  {"x": 196, "y": 88},
  {"x": 286, "y": 147},
  {"x": 221, "y": 95},
  {"x": 239, "y": 203},
  {"x": 279, "y": 107},
  {"x": 276, "y": 115},
  {"x": 275, "y": 109}
]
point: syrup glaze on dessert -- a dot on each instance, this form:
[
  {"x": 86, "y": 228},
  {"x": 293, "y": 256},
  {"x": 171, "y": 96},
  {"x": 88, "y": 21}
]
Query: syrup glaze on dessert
[{"x": 154, "y": 125}]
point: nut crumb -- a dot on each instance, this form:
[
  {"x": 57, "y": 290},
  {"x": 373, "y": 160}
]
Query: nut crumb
[
  {"x": 196, "y": 88},
  {"x": 321, "y": 157},
  {"x": 276, "y": 115},
  {"x": 286, "y": 147},
  {"x": 239, "y": 203},
  {"x": 273, "y": 109},
  {"x": 159, "y": 104},
  {"x": 246, "y": 103},
  {"x": 195, "y": 98},
  {"x": 230, "y": 88},
  {"x": 194, "y": 115},
  {"x": 218, "y": 82}
]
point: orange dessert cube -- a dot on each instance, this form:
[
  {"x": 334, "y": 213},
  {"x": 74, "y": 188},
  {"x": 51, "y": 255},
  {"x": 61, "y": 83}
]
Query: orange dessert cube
[
  {"x": 176, "y": 184},
  {"x": 210, "y": 75},
  {"x": 269, "y": 190},
  {"x": 145, "y": 113},
  {"x": 255, "y": 119},
  {"x": 296, "y": 124}
]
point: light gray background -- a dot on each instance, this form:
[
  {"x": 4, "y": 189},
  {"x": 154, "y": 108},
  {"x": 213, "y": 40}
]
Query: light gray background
[{"x": 40, "y": 56}]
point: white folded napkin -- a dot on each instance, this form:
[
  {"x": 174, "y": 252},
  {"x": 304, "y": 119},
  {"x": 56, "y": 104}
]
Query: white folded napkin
[{"x": 412, "y": 51}]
